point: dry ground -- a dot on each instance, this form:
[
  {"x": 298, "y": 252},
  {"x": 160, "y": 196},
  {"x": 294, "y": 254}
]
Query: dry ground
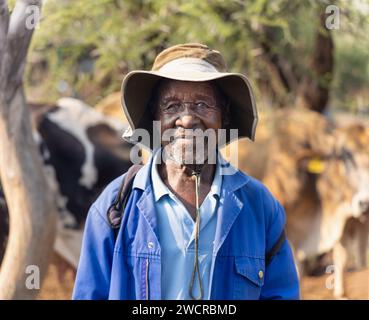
[{"x": 357, "y": 284}]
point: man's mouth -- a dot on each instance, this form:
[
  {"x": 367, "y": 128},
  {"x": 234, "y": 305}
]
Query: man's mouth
[{"x": 183, "y": 137}]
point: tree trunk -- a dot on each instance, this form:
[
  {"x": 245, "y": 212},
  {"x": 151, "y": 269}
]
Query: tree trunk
[
  {"x": 310, "y": 89},
  {"x": 32, "y": 213},
  {"x": 314, "y": 93}
]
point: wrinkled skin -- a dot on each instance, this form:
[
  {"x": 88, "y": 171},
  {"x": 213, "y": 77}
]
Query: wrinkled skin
[{"x": 206, "y": 110}]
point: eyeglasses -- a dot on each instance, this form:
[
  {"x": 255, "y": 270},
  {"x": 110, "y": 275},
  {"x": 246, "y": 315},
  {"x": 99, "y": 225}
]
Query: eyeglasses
[{"x": 199, "y": 107}]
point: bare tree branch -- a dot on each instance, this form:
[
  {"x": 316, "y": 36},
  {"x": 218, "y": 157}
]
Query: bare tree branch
[
  {"x": 32, "y": 211},
  {"x": 19, "y": 36},
  {"x": 4, "y": 24}
]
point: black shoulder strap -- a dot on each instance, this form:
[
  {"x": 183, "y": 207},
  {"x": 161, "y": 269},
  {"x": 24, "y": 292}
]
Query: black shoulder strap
[
  {"x": 116, "y": 210},
  {"x": 272, "y": 252}
]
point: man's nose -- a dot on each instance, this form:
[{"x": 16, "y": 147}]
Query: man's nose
[{"x": 187, "y": 119}]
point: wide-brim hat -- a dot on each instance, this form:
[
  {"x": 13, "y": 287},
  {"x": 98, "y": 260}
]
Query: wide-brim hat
[{"x": 188, "y": 62}]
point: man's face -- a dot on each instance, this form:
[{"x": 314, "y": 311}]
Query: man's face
[{"x": 185, "y": 110}]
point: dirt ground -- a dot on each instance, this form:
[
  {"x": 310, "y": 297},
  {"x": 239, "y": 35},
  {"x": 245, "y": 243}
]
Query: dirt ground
[
  {"x": 58, "y": 284},
  {"x": 356, "y": 284}
]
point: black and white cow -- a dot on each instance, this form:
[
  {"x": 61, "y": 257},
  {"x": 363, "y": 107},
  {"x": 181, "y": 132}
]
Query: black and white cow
[{"x": 82, "y": 151}]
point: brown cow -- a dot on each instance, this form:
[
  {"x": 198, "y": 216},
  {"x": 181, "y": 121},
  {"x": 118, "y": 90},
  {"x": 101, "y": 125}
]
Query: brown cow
[
  {"x": 356, "y": 232},
  {"x": 320, "y": 175}
]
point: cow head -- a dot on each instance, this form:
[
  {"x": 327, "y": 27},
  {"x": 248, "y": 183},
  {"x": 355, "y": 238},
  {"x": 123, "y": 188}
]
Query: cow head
[
  {"x": 317, "y": 172},
  {"x": 299, "y": 139},
  {"x": 346, "y": 172},
  {"x": 331, "y": 161}
]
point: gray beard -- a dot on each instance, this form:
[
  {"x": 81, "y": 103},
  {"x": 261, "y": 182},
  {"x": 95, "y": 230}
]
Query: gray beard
[{"x": 185, "y": 153}]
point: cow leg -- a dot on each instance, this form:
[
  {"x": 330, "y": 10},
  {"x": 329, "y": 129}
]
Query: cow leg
[
  {"x": 299, "y": 262},
  {"x": 300, "y": 268},
  {"x": 363, "y": 235},
  {"x": 339, "y": 261}
]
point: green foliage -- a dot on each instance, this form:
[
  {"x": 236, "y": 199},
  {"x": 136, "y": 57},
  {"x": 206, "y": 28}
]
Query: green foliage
[
  {"x": 352, "y": 72},
  {"x": 351, "y": 81},
  {"x": 92, "y": 44}
]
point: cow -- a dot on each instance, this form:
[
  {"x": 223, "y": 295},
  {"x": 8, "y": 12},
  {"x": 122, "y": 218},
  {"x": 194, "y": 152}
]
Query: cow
[
  {"x": 320, "y": 175},
  {"x": 355, "y": 138},
  {"x": 82, "y": 151}
]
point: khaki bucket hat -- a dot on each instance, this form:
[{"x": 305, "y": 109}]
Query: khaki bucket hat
[{"x": 188, "y": 62}]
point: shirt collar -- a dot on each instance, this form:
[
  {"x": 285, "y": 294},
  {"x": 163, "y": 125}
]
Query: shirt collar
[
  {"x": 160, "y": 189},
  {"x": 232, "y": 178}
]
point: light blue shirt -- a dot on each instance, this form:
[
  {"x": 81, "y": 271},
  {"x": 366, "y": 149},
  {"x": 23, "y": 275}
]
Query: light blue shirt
[{"x": 176, "y": 230}]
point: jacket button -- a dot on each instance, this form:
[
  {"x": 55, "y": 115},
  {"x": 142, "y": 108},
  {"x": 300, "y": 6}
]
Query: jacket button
[
  {"x": 150, "y": 245},
  {"x": 261, "y": 274}
]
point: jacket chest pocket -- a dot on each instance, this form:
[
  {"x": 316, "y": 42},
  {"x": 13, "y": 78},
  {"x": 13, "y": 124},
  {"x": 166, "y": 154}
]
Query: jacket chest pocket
[{"x": 249, "y": 277}]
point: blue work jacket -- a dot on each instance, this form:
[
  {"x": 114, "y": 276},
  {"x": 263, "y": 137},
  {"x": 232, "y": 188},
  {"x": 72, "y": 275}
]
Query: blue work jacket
[{"x": 128, "y": 266}]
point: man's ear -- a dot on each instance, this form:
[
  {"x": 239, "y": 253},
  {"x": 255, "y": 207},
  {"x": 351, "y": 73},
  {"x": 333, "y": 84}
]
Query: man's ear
[
  {"x": 226, "y": 115},
  {"x": 152, "y": 104},
  {"x": 152, "y": 107}
]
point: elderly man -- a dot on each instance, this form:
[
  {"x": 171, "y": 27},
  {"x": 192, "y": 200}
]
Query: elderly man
[{"x": 186, "y": 226}]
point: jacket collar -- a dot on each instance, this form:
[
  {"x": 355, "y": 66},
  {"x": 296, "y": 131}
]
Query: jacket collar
[{"x": 233, "y": 178}]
